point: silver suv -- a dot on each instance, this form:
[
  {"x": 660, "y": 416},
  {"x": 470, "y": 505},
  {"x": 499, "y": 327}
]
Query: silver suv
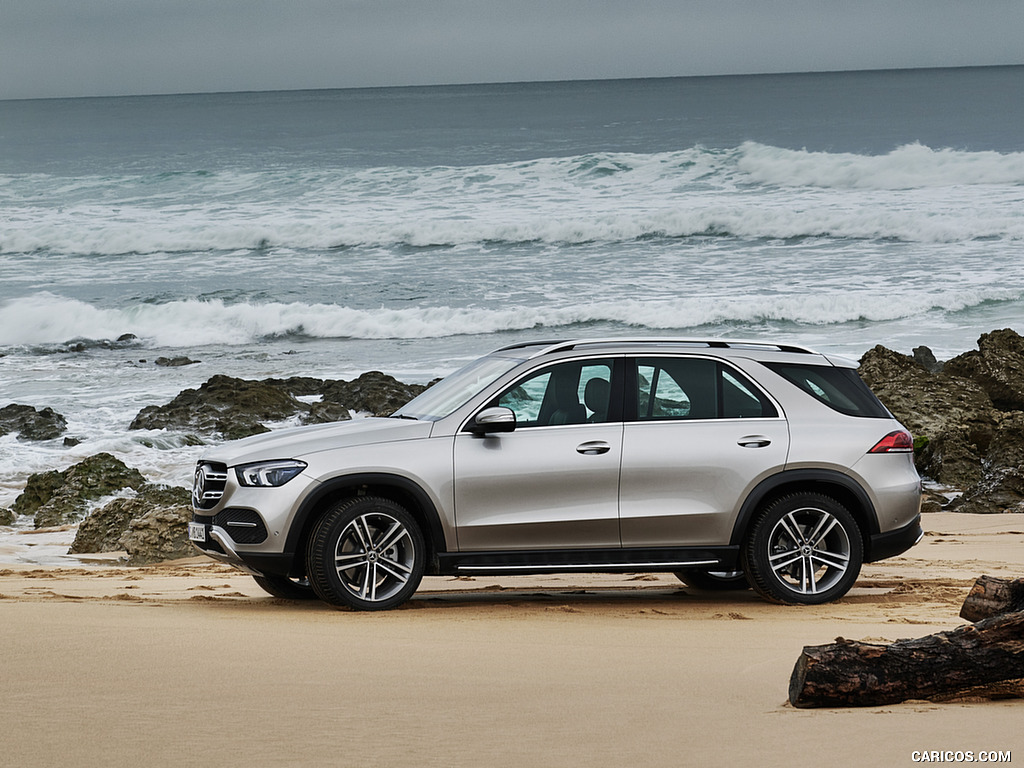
[{"x": 728, "y": 463}]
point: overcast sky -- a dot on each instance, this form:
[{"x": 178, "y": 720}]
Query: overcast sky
[{"x": 113, "y": 47}]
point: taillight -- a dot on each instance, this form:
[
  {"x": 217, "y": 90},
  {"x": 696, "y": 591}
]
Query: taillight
[{"x": 899, "y": 441}]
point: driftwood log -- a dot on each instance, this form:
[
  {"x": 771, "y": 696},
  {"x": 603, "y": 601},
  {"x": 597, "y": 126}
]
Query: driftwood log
[
  {"x": 981, "y": 660},
  {"x": 991, "y": 596}
]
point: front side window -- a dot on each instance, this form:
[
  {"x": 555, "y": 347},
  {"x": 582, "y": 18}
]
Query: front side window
[
  {"x": 576, "y": 392},
  {"x": 695, "y": 388}
]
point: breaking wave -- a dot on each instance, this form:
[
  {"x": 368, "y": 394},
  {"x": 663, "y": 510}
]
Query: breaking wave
[
  {"x": 47, "y": 321},
  {"x": 913, "y": 193}
]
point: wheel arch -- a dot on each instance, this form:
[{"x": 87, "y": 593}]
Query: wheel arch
[
  {"x": 397, "y": 488},
  {"x": 843, "y": 488}
]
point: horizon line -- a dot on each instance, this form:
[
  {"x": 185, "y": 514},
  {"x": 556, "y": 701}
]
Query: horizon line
[{"x": 470, "y": 84}]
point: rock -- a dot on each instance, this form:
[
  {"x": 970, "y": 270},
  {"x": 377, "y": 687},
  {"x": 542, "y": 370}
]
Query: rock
[
  {"x": 1000, "y": 490},
  {"x": 7, "y": 516},
  {"x": 102, "y": 530},
  {"x": 59, "y": 498},
  {"x": 372, "y": 392},
  {"x": 174, "y": 362},
  {"x": 159, "y": 534},
  {"x": 325, "y": 413},
  {"x": 1001, "y": 486},
  {"x": 40, "y": 488},
  {"x": 31, "y": 424},
  {"x": 998, "y": 366},
  {"x": 298, "y": 386},
  {"x": 225, "y": 406},
  {"x": 924, "y": 357},
  {"x": 951, "y": 459},
  {"x": 233, "y": 408},
  {"x": 1007, "y": 447}
]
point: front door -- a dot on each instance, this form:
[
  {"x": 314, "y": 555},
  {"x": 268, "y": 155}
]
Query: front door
[{"x": 554, "y": 481}]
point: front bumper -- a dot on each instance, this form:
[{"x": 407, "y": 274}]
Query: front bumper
[{"x": 218, "y": 544}]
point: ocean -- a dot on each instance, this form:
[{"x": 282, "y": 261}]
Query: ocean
[{"x": 408, "y": 230}]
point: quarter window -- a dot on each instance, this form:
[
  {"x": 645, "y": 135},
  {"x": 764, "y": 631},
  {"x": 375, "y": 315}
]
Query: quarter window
[{"x": 841, "y": 389}]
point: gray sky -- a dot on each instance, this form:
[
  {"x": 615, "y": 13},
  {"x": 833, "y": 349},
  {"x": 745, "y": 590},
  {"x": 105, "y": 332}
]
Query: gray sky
[{"x": 113, "y": 47}]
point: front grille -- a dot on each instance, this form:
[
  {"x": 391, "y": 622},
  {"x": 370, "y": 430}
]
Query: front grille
[
  {"x": 242, "y": 525},
  {"x": 208, "y": 485}
]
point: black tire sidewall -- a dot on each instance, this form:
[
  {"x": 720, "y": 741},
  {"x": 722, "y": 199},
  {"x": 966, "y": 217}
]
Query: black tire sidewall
[
  {"x": 707, "y": 581},
  {"x": 285, "y": 588},
  {"x": 323, "y": 576},
  {"x": 754, "y": 557}
]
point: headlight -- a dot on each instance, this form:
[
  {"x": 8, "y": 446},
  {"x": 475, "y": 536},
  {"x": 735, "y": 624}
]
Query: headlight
[{"x": 268, "y": 474}]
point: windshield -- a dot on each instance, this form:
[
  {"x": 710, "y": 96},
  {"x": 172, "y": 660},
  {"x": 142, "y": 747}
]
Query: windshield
[{"x": 454, "y": 390}]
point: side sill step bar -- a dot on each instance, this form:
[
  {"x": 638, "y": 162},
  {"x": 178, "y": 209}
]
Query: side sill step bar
[
  {"x": 609, "y": 560},
  {"x": 585, "y": 567}
]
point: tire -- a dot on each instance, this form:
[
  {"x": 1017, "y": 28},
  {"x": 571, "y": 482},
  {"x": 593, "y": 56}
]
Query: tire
[
  {"x": 289, "y": 589},
  {"x": 713, "y": 581},
  {"x": 366, "y": 553},
  {"x": 804, "y": 549}
]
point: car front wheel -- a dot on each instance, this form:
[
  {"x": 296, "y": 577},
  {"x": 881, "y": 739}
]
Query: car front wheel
[
  {"x": 804, "y": 549},
  {"x": 366, "y": 553}
]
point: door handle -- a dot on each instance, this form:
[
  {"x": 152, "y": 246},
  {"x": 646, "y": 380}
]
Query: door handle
[
  {"x": 593, "y": 448},
  {"x": 754, "y": 441}
]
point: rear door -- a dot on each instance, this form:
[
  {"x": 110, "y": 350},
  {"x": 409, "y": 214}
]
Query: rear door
[{"x": 698, "y": 436}]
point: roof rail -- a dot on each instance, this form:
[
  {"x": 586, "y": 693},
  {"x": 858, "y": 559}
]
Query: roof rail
[
  {"x": 539, "y": 342},
  {"x": 567, "y": 344}
]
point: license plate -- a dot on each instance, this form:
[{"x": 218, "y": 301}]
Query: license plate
[{"x": 196, "y": 532}]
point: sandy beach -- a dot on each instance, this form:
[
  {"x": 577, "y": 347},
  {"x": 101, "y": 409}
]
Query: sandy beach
[{"x": 189, "y": 664}]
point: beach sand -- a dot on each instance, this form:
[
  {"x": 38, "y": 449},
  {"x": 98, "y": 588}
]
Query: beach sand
[{"x": 190, "y": 664}]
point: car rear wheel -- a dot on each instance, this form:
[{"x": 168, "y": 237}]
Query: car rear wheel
[
  {"x": 366, "y": 553},
  {"x": 713, "y": 581},
  {"x": 804, "y": 549},
  {"x": 289, "y": 589}
]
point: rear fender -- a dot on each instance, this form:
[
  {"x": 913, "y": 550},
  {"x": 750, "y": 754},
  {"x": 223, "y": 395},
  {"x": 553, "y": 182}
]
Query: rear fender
[{"x": 841, "y": 487}]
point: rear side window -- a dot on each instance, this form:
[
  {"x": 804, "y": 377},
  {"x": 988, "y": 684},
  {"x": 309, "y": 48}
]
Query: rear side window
[
  {"x": 841, "y": 389},
  {"x": 672, "y": 388}
]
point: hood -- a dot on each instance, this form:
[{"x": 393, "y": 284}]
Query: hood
[{"x": 297, "y": 442}]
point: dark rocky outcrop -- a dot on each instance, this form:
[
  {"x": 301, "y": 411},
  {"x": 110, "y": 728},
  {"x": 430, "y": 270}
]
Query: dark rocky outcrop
[
  {"x": 967, "y": 416},
  {"x": 30, "y": 424},
  {"x": 997, "y": 366},
  {"x": 174, "y": 362},
  {"x": 374, "y": 392},
  {"x": 224, "y": 406},
  {"x": 160, "y": 533},
  {"x": 230, "y": 408},
  {"x": 104, "y": 528},
  {"x": 58, "y": 498}
]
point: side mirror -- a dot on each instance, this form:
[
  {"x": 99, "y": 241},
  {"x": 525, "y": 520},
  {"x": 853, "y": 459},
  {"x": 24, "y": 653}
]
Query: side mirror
[{"x": 497, "y": 419}]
